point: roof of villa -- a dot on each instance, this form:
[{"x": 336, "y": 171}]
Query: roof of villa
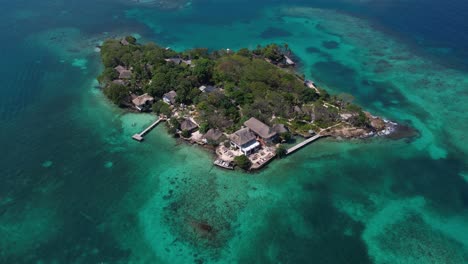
[
  {"x": 242, "y": 136},
  {"x": 142, "y": 99},
  {"x": 124, "y": 42},
  {"x": 170, "y": 96},
  {"x": 279, "y": 128},
  {"x": 207, "y": 88},
  {"x": 188, "y": 125},
  {"x": 213, "y": 134},
  {"x": 259, "y": 128},
  {"x": 120, "y": 68}
]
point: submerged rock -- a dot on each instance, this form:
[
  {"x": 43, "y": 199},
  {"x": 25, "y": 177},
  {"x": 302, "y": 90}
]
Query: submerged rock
[
  {"x": 47, "y": 164},
  {"x": 202, "y": 227}
]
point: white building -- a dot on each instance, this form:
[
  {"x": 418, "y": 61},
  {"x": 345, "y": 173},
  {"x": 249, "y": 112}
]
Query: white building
[{"x": 244, "y": 140}]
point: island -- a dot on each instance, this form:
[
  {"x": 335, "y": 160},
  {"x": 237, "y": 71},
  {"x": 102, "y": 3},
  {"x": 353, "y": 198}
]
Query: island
[{"x": 245, "y": 105}]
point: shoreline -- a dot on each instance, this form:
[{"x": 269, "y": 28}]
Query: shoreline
[
  {"x": 246, "y": 104},
  {"x": 392, "y": 131}
]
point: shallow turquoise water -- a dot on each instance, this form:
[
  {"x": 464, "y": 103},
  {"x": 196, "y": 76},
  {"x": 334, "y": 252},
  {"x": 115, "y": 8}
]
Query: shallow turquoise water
[{"x": 76, "y": 189}]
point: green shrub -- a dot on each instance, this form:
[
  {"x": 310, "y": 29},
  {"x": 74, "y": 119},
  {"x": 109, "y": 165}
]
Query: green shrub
[
  {"x": 281, "y": 152},
  {"x": 186, "y": 134},
  {"x": 242, "y": 162}
]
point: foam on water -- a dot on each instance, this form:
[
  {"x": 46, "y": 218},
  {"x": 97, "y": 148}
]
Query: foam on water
[{"x": 80, "y": 63}]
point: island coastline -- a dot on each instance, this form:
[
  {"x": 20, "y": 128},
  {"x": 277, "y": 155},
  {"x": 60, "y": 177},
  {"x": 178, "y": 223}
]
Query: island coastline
[{"x": 206, "y": 99}]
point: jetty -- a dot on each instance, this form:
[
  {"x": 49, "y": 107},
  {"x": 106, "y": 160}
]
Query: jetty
[
  {"x": 139, "y": 137},
  {"x": 303, "y": 143}
]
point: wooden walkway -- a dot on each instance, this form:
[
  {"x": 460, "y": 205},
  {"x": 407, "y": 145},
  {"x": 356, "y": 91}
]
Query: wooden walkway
[
  {"x": 139, "y": 136},
  {"x": 303, "y": 143}
]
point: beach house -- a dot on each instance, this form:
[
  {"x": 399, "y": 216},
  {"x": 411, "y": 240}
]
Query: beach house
[
  {"x": 207, "y": 88},
  {"x": 169, "y": 98},
  {"x": 244, "y": 140},
  {"x": 188, "y": 125},
  {"x": 212, "y": 135},
  {"x": 260, "y": 129},
  {"x": 123, "y": 72},
  {"x": 143, "y": 102}
]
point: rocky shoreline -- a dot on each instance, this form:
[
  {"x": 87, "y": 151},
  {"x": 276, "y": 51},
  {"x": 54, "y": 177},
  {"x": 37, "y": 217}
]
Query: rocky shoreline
[{"x": 379, "y": 127}]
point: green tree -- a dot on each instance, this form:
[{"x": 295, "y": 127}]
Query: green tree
[
  {"x": 286, "y": 136},
  {"x": 360, "y": 120},
  {"x": 308, "y": 95},
  {"x": 204, "y": 127},
  {"x": 131, "y": 39},
  {"x": 272, "y": 52},
  {"x": 108, "y": 75},
  {"x": 116, "y": 93},
  {"x": 186, "y": 133},
  {"x": 243, "y": 162},
  {"x": 196, "y": 53},
  {"x": 244, "y": 52},
  {"x": 161, "y": 108},
  {"x": 174, "y": 122},
  {"x": 172, "y": 131},
  {"x": 160, "y": 85},
  {"x": 203, "y": 70},
  {"x": 281, "y": 151}
]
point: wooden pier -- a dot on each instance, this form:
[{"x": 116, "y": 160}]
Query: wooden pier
[
  {"x": 303, "y": 143},
  {"x": 139, "y": 137}
]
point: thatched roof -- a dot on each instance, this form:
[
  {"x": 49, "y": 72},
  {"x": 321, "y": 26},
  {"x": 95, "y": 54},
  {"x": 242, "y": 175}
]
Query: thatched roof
[
  {"x": 260, "y": 128},
  {"x": 120, "y": 82},
  {"x": 170, "y": 96},
  {"x": 188, "y": 125},
  {"x": 124, "y": 42},
  {"x": 127, "y": 74},
  {"x": 207, "y": 88},
  {"x": 242, "y": 136},
  {"x": 279, "y": 128},
  {"x": 213, "y": 134},
  {"x": 123, "y": 72},
  {"x": 142, "y": 99},
  {"x": 174, "y": 60},
  {"x": 120, "y": 68},
  {"x": 297, "y": 109}
]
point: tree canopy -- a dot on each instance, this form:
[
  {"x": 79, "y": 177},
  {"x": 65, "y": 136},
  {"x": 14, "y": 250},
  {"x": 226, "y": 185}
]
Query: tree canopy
[
  {"x": 249, "y": 83},
  {"x": 242, "y": 162}
]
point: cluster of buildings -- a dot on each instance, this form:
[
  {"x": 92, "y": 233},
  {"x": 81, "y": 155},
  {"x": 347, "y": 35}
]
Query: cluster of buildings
[
  {"x": 254, "y": 135},
  {"x": 179, "y": 61},
  {"x": 254, "y": 141},
  {"x": 144, "y": 102}
]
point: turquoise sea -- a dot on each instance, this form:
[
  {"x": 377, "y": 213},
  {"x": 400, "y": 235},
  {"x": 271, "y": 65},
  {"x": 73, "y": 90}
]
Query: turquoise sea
[{"x": 74, "y": 187}]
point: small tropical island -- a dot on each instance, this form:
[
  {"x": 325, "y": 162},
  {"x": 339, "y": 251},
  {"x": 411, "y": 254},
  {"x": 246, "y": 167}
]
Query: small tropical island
[{"x": 245, "y": 105}]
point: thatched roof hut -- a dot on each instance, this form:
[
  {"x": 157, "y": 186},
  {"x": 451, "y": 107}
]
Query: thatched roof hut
[
  {"x": 242, "y": 136},
  {"x": 188, "y": 125},
  {"x": 260, "y": 128},
  {"x": 213, "y": 134}
]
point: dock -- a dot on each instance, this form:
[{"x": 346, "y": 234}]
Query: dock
[
  {"x": 140, "y": 136},
  {"x": 303, "y": 143}
]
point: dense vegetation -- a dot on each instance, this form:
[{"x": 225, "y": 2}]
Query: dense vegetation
[{"x": 251, "y": 85}]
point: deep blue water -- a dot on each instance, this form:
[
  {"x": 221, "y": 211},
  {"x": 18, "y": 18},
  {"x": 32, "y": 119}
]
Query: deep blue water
[{"x": 41, "y": 120}]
